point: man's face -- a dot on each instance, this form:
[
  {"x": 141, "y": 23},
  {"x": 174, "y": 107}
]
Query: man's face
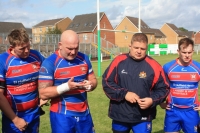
[
  {"x": 138, "y": 50},
  {"x": 68, "y": 51},
  {"x": 185, "y": 54},
  {"x": 21, "y": 51}
]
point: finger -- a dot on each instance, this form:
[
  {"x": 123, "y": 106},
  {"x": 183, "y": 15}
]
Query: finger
[
  {"x": 71, "y": 79},
  {"x": 26, "y": 124}
]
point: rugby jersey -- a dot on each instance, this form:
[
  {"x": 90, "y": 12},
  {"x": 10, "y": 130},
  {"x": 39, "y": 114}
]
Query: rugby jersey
[
  {"x": 183, "y": 83},
  {"x": 20, "y": 76},
  {"x": 58, "y": 70}
]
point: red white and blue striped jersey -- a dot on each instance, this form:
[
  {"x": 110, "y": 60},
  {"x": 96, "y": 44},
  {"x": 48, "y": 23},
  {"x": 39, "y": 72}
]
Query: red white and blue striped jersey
[
  {"x": 19, "y": 79},
  {"x": 183, "y": 83},
  {"x": 58, "y": 70}
]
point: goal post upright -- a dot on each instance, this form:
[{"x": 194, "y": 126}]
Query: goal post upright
[{"x": 99, "y": 40}]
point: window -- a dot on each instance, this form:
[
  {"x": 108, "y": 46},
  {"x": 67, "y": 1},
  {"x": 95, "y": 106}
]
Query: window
[
  {"x": 85, "y": 36},
  {"x": 52, "y": 28},
  {"x": 91, "y": 24},
  {"x": 126, "y": 37},
  {"x": 151, "y": 37},
  {"x": 71, "y": 25},
  {"x": 125, "y": 27},
  {"x": 47, "y": 28},
  {"x": 85, "y": 24},
  {"x": 104, "y": 36},
  {"x": 77, "y": 25},
  {"x": 104, "y": 25},
  {"x": 40, "y": 29}
]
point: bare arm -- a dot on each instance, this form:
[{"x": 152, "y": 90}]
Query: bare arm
[
  {"x": 93, "y": 81},
  {"x": 48, "y": 91},
  {"x": 20, "y": 123}
]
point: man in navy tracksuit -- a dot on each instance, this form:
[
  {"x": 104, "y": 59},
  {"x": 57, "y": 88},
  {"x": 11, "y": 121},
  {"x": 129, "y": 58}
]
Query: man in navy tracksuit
[{"x": 135, "y": 83}]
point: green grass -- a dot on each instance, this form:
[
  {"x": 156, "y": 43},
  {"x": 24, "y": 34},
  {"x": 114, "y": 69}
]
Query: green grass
[{"x": 98, "y": 103}]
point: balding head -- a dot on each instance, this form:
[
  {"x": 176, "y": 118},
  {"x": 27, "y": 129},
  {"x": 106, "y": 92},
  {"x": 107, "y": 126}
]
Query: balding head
[
  {"x": 68, "y": 45},
  {"x": 68, "y": 35}
]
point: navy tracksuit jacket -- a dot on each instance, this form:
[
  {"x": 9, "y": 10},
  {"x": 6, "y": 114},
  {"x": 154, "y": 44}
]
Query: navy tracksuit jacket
[{"x": 146, "y": 78}]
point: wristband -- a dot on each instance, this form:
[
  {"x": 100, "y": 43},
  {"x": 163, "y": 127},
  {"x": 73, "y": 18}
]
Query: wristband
[{"x": 63, "y": 88}]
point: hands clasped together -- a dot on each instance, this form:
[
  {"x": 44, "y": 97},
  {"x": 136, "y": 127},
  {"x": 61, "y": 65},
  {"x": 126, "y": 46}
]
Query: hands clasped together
[
  {"x": 85, "y": 85},
  {"x": 144, "y": 103},
  {"x": 71, "y": 85}
]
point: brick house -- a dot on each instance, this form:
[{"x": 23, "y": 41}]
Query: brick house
[
  {"x": 6, "y": 28},
  {"x": 197, "y": 37},
  {"x": 85, "y": 26},
  {"x": 174, "y": 34},
  {"x": 42, "y": 27},
  {"x": 129, "y": 26}
]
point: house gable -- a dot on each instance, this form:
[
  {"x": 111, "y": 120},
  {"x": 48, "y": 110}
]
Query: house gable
[{"x": 6, "y": 27}]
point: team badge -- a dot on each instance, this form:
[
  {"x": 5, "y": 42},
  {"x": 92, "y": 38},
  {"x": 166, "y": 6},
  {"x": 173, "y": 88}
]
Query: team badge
[
  {"x": 43, "y": 70},
  {"x": 142, "y": 74},
  {"x": 35, "y": 68},
  {"x": 83, "y": 69},
  {"x": 193, "y": 76}
]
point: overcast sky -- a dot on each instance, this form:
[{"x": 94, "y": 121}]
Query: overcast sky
[{"x": 182, "y": 13}]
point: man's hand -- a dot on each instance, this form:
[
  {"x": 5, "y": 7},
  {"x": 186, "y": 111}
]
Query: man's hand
[
  {"x": 74, "y": 85},
  {"x": 131, "y": 97},
  {"x": 86, "y": 85},
  {"x": 20, "y": 123},
  {"x": 145, "y": 103},
  {"x": 197, "y": 108},
  {"x": 42, "y": 102},
  {"x": 165, "y": 106}
]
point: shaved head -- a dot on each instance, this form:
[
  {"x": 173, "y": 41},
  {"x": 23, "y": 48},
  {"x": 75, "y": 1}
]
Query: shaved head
[
  {"x": 68, "y": 35},
  {"x": 68, "y": 45}
]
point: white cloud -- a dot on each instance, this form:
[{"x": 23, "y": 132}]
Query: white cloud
[
  {"x": 155, "y": 13},
  {"x": 182, "y": 13}
]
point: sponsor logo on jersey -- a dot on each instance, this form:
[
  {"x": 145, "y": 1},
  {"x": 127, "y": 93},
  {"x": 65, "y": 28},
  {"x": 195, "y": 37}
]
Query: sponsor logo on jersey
[
  {"x": 144, "y": 118},
  {"x": 45, "y": 77},
  {"x": 22, "y": 62},
  {"x": 195, "y": 128},
  {"x": 70, "y": 64},
  {"x": 16, "y": 71},
  {"x": 124, "y": 72},
  {"x": 149, "y": 126},
  {"x": 142, "y": 74},
  {"x": 182, "y": 69},
  {"x": 175, "y": 76},
  {"x": 65, "y": 73}
]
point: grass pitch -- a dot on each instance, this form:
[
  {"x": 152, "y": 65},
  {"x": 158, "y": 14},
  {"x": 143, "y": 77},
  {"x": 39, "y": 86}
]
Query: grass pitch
[{"x": 98, "y": 103}]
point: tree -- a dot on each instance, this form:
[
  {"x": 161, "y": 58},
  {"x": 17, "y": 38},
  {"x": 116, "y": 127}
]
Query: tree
[
  {"x": 182, "y": 29},
  {"x": 54, "y": 31}
]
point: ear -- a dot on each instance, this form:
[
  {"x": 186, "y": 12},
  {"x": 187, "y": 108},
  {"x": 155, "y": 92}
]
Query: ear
[
  {"x": 11, "y": 46},
  {"x": 178, "y": 51},
  {"x": 59, "y": 45},
  {"x": 129, "y": 46}
]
